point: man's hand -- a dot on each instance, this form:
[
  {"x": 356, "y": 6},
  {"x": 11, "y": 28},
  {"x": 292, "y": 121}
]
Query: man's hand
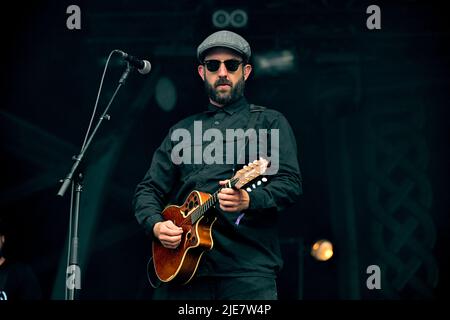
[
  {"x": 168, "y": 234},
  {"x": 232, "y": 200}
]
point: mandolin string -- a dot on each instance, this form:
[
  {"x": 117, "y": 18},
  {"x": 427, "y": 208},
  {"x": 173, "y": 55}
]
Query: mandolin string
[{"x": 201, "y": 209}]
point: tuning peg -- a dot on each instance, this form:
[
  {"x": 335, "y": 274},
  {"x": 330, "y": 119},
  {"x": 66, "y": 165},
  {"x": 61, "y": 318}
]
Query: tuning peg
[
  {"x": 249, "y": 189},
  {"x": 264, "y": 179},
  {"x": 258, "y": 183},
  {"x": 253, "y": 186}
]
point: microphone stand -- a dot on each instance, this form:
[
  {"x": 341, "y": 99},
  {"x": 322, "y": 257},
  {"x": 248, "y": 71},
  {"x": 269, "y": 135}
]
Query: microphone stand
[{"x": 74, "y": 178}]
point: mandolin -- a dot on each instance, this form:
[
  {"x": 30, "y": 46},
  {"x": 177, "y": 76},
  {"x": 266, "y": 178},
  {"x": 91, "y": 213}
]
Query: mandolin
[{"x": 180, "y": 264}]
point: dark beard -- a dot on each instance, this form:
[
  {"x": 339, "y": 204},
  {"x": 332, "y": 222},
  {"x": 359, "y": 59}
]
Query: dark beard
[{"x": 235, "y": 93}]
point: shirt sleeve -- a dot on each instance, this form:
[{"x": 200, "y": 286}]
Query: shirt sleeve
[
  {"x": 151, "y": 193},
  {"x": 282, "y": 188}
]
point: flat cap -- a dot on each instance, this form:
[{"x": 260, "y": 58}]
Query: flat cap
[{"x": 225, "y": 39}]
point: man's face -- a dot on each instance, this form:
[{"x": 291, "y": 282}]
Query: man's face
[{"x": 224, "y": 86}]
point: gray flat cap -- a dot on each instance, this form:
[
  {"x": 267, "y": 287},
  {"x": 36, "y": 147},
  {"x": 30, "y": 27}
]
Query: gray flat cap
[{"x": 225, "y": 39}]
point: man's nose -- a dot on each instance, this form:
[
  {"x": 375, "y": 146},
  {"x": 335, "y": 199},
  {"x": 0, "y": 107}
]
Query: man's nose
[{"x": 222, "y": 72}]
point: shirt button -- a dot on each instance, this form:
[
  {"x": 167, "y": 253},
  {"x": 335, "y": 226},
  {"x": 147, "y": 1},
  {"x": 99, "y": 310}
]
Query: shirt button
[{"x": 216, "y": 122}]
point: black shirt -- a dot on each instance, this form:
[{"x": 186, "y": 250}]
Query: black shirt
[
  {"x": 18, "y": 282},
  {"x": 246, "y": 246}
]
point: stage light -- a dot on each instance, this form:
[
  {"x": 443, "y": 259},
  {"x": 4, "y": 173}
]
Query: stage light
[
  {"x": 274, "y": 63},
  {"x": 237, "y": 18},
  {"x": 165, "y": 94},
  {"x": 322, "y": 250},
  {"x": 221, "y": 19}
]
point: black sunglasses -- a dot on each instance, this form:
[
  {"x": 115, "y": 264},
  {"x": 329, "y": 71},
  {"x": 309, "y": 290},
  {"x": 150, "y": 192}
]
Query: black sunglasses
[{"x": 213, "y": 65}]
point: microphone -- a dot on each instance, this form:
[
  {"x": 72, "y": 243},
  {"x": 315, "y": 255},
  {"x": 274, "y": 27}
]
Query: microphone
[{"x": 143, "y": 66}]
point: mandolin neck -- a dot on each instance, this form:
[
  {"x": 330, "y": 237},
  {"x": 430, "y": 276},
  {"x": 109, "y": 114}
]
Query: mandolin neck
[{"x": 201, "y": 209}]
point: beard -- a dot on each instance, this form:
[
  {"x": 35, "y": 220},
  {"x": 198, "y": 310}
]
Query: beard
[{"x": 228, "y": 97}]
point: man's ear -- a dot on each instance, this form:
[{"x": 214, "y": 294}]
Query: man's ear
[
  {"x": 247, "y": 71},
  {"x": 201, "y": 71}
]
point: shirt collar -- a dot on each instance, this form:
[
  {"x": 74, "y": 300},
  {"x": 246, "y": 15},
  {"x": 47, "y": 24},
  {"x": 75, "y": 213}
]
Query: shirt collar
[{"x": 229, "y": 108}]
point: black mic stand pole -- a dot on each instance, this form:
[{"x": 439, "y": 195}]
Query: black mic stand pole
[{"x": 73, "y": 282}]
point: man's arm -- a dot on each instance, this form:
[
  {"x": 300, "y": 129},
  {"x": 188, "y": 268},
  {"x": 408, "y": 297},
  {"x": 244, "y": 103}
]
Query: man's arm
[
  {"x": 285, "y": 186},
  {"x": 151, "y": 193}
]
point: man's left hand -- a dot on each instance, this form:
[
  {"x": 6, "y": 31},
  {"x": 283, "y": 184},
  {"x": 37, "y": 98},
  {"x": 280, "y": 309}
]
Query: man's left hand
[{"x": 232, "y": 200}]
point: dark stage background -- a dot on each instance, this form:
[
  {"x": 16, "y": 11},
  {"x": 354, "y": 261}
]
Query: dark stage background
[{"x": 369, "y": 109}]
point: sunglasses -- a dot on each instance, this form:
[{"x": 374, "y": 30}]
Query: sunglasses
[{"x": 214, "y": 65}]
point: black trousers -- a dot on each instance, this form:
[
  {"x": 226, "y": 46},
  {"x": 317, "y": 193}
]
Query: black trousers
[{"x": 220, "y": 288}]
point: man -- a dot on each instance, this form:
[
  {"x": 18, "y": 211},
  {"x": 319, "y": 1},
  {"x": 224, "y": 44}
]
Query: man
[
  {"x": 245, "y": 257},
  {"x": 17, "y": 280}
]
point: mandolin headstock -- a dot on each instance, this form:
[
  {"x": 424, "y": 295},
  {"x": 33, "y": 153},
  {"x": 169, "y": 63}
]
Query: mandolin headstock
[{"x": 250, "y": 172}]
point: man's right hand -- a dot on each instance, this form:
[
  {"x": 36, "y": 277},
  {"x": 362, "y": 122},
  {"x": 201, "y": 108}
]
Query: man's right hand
[{"x": 168, "y": 234}]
